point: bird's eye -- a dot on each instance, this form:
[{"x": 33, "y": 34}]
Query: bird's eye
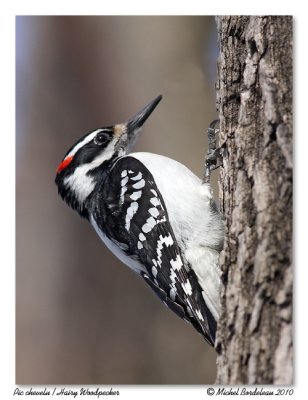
[{"x": 101, "y": 138}]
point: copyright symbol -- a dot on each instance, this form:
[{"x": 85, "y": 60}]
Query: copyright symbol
[{"x": 210, "y": 391}]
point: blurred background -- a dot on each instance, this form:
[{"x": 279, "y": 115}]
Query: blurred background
[{"x": 81, "y": 316}]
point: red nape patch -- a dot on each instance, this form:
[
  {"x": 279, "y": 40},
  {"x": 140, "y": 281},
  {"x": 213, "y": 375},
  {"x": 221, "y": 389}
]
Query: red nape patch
[{"x": 64, "y": 163}]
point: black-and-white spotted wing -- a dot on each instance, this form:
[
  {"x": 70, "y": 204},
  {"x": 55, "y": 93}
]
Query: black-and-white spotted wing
[{"x": 133, "y": 215}]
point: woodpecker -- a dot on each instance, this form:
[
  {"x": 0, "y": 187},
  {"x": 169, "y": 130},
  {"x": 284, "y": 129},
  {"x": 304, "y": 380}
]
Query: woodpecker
[{"x": 153, "y": 213}]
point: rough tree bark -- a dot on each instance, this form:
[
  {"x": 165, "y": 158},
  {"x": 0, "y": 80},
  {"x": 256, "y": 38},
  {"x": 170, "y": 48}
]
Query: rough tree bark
[{"x": 254, "y": 98}]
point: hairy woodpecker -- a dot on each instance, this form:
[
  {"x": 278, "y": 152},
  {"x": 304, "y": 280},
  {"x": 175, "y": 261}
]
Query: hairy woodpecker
[{"x": 153, "y": 213}]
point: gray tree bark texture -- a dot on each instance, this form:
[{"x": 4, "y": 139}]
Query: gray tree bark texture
[{"x": 254, "y": 99}]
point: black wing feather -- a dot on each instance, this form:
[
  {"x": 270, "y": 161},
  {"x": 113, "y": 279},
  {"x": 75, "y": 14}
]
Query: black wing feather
[{"x": 144, "y": 231}]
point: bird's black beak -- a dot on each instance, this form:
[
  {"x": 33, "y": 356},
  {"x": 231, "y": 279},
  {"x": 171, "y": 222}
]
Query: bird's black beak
[
  {"x": 139, "y": 119},
  {"x": 129, "y": 132}
]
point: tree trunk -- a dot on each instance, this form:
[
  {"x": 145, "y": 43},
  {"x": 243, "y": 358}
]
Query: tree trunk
[{"x": 254, "y": 98}]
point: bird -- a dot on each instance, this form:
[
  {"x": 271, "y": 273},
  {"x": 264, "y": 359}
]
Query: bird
[{"x": 153, "y": 213}]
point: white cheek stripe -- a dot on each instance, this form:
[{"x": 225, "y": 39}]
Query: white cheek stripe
[
  {"x": 86, "y": 140},
  {"x": 82, "y": 184}
]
